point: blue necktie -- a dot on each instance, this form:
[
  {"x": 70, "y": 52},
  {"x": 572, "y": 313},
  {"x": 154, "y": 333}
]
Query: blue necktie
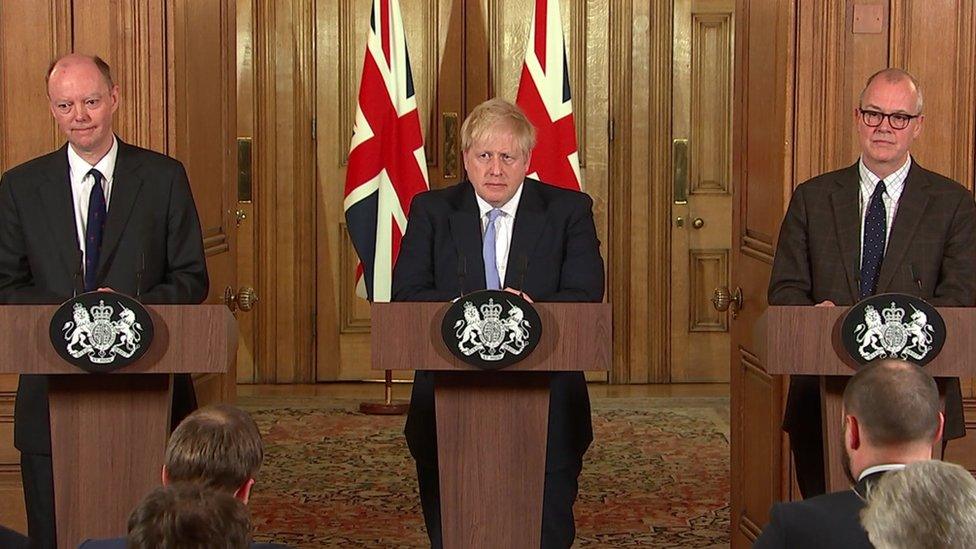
[
  {"x": 93, "y": 230},
  {"x": 488, "y": 252},
  {"x": 872, "y": 253}
]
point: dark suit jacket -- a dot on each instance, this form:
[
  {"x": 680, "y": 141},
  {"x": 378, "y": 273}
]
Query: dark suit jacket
[
  {"x": 152, "y": 221},
  {"x": 826, "y": 521},
  {"x": 931, "y": 253},
  {"x": 554, "y": 256}
]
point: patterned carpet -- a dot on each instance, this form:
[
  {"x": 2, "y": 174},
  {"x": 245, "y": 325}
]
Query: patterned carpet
[{"x": 657, "y": 475}]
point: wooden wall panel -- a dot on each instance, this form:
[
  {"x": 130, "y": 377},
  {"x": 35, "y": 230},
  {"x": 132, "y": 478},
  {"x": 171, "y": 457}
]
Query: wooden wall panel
[
  {"x": 46, "y": 26},
  {"x": 711, "y": 131},
  {"x": 284, "y": 195},
  {"x": 640, "y": 107},
  {"x": 708, "y": 269},
  {"x": 949, "y": 86}
]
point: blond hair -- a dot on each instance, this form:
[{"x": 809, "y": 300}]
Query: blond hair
[{"x": 497, "y": 115}]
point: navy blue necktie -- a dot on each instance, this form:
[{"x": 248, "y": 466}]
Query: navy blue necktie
[
  {"x": 93, "y": 230},
  {"x": 872, "y": 251}
]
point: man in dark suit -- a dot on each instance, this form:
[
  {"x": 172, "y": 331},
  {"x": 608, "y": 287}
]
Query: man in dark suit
[
  {"x": 891, "y": 418},
  {"x": 218, "y": 448},
  {"x": 95, "y": 214},
  {"x": 501, "y": 230},
  {"x": 883, "y": 225}
]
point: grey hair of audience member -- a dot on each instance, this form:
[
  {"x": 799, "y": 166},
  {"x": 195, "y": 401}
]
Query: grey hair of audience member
[{"x": 928, "y": 504}]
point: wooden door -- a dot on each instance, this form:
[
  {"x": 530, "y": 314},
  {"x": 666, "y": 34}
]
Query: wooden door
[
  {"x": 201, "y": 129},
  {"x": 762, "y": 183},
  {"x": 701, "y": 214}
]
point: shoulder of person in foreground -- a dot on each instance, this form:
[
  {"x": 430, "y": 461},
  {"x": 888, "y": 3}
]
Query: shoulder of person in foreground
[{"x": 115, "y": 543}]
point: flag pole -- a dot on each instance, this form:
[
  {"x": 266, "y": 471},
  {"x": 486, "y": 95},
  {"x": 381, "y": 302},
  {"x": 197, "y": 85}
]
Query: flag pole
[{"x": 388, "y": 407}]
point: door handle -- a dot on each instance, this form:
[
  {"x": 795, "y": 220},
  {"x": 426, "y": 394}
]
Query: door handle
[
  {"x": 244, "y": 299},
  {"x": 725, "y": 300}
]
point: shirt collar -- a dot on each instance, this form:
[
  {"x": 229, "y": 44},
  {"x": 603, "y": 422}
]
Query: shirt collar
[
  {"x": 867, "y": 175},
  {"x": 106, "y": 166},
  {"x": 509, "y": 208},
  {"x": 881, "y": 468}
]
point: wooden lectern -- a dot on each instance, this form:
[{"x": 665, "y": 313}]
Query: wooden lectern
[
  {"x": 109, "y": 431},
  {"x": 800, "y": 341},
  {"x": 491, "y": 426}
]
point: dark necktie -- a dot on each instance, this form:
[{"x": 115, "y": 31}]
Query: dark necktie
[
  {"x": 93, "y": 230},
  {"x": 872, "y": 252}
]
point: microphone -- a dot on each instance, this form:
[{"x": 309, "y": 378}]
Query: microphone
[
  {"x": 140, "y": 268},
  {"x": 523, "y": 266},
  {"x": 462, "y": 273},
  {"x": 78, "y": 279},
  {"x": 916, "y": 279}
]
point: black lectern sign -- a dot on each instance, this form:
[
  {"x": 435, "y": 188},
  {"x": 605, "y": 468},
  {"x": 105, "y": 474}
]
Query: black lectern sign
[
  {"x": 491, "y": 329},
  {"x": 101, "y": 331},
  {"x": 893, "y": 326}
]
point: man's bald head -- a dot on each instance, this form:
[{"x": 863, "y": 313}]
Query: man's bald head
[
  {"x": 78, "y": 58},
  {"x": 895, "y": 402}
]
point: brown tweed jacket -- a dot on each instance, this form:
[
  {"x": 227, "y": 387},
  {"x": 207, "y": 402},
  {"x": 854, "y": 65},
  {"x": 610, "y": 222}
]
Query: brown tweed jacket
[{"x": 931, "y": 251}]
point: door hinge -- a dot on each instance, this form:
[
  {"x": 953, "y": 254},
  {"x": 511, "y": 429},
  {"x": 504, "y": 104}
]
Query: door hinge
[
  {"x": 314, "y": 128},
  {"x": 610, "y": 129},
  {"x": 315, "y": 324}
]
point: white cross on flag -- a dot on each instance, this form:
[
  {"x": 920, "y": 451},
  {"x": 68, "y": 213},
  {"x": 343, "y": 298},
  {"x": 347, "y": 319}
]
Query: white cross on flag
[
  {"x": 545, "y": 98},
  {"x": 387, "y": 165}
]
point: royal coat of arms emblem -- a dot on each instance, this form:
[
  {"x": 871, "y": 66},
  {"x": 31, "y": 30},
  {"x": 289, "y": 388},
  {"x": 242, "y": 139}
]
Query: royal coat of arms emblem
[
  {"x": 886, "y": 334},
  {"x": 94, "y": 334},
  {"x": 490, "y": 335},
  {"x": 101, "y": 331},
  {"x": 491, "y": 329}
]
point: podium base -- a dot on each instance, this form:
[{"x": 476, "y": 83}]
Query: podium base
[{"x": 394, "y": 408}]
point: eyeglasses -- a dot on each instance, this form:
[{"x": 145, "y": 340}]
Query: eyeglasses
[{"x": 897, "y": 120}]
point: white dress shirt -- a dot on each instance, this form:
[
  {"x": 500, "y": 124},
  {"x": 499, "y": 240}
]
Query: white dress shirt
[
  {"x": 81, "y": 186},
  {"x": 504, "y": 225},
  {"x": 894, "y": 185}
]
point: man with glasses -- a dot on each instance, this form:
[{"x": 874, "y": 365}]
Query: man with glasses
[{"x": 882, "y": 225}]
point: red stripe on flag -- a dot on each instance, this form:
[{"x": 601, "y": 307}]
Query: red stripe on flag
[
  {"x": 556, "y": 140},
  {"x": 540, "y": 32}
]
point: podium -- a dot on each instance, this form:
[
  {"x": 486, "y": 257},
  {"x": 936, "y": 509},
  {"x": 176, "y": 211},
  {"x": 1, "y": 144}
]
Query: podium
[
  {"x": 491, "y": 425},
  {"x": 801, "y": 341},
  {"x": 109, "y": 431}
]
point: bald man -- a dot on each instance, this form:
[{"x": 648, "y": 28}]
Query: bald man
[{"x": 95, "y": 214}]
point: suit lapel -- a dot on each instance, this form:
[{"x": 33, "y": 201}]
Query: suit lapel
[
  {"x": 530, "y": 219},
  {"x": 466, "y": 231},
  {"x": 56, "y": 198},
  {"x": 845, "y": 200},
  {"x": 125, "y": 187},
  {"x": 911, "y": 206}
]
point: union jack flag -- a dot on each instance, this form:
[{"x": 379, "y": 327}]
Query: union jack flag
[
  {"x": 387, "y": 165},
  {"x": 545, "y": 98}
]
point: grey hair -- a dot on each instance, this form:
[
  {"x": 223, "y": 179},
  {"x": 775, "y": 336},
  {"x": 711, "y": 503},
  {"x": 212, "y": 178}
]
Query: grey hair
[
  {"x": 893, "y": 75},
  {"x": 926, "y": 504}
]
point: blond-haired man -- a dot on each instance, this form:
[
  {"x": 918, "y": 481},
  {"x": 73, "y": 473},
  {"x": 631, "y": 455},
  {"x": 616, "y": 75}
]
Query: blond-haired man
[{"x": 502, "y": 230}]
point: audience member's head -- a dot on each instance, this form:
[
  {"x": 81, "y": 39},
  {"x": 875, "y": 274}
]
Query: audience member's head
[
  {"x": 218, "y": 447},
  {"x": 189, "y": 516},
  {"x": 926, "y": 504},
  {"x": 892, "y": 414}
]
